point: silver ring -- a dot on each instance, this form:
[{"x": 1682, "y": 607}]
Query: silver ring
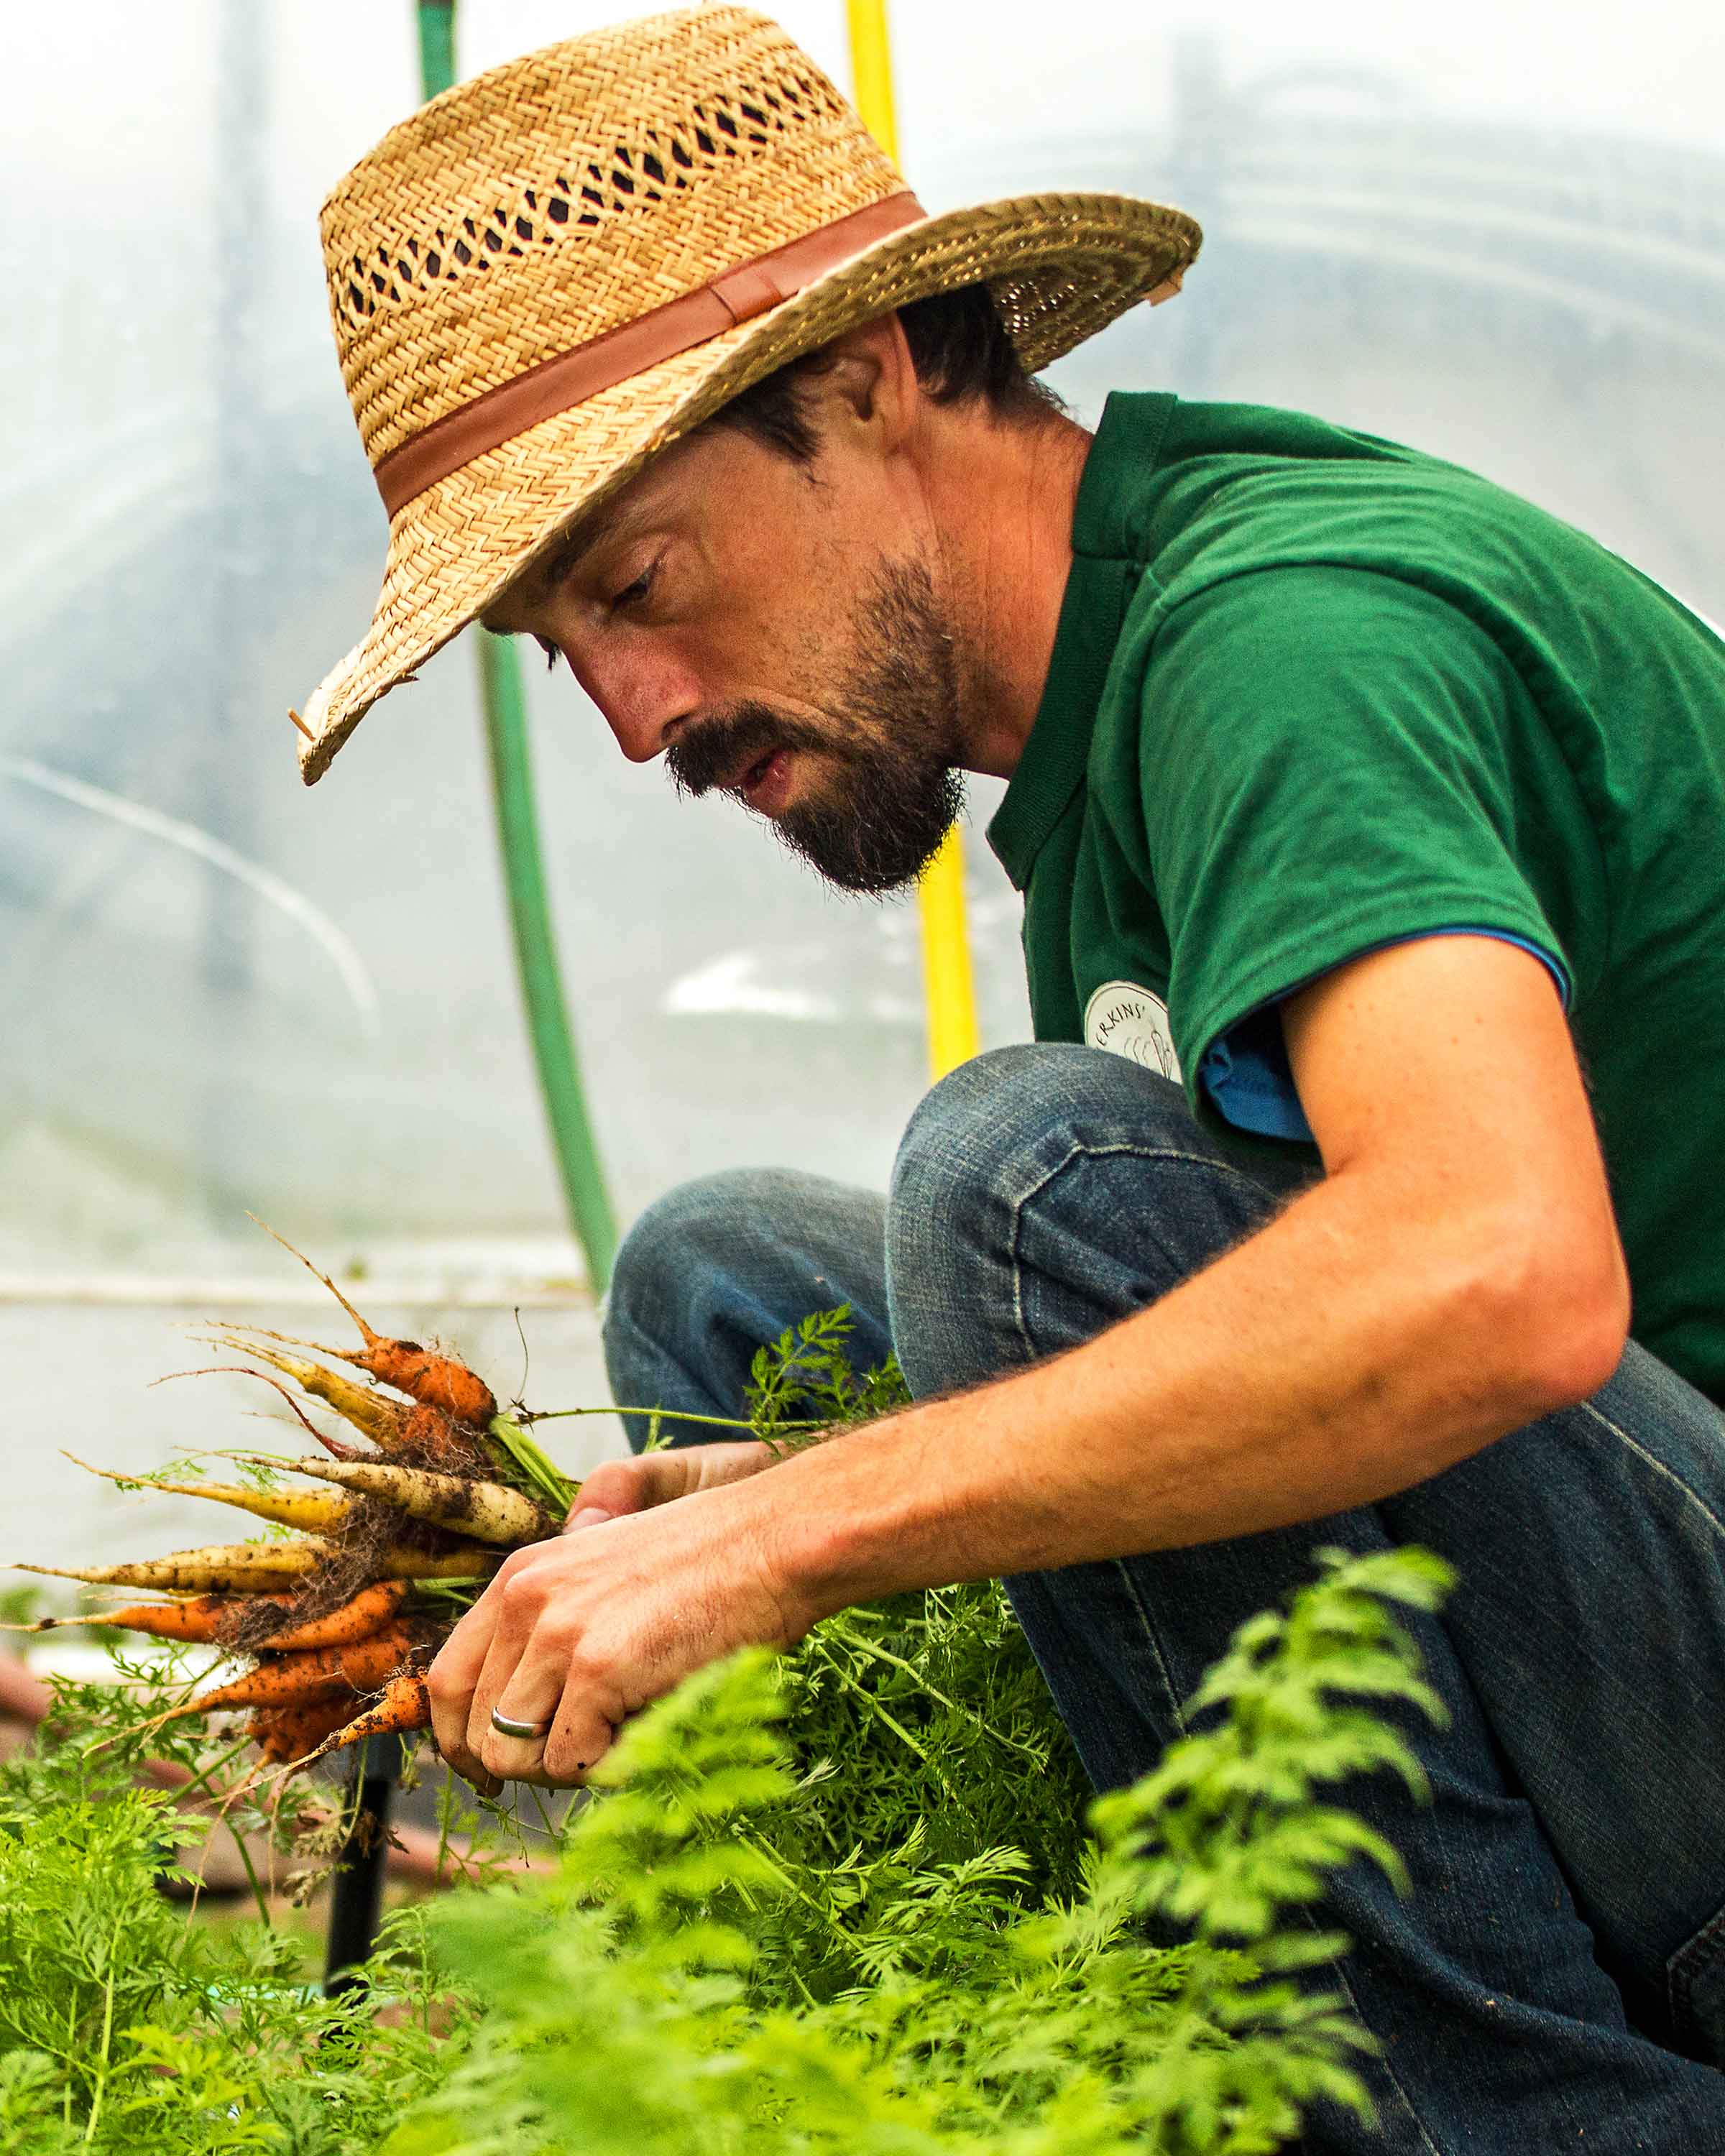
[{"x": 505, "y": 1727}]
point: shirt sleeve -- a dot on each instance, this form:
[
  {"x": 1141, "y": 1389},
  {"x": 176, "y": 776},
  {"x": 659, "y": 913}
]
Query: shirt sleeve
[{"x": 1327, "y": 768}]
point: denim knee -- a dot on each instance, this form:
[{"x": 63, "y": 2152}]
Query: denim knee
[
  {"x": 719, "y": 1266},
  {"x": 1041, "y": 1192},
  {"x": 677, "y": 1233},
  {"x": 1013, "y": 1102}
]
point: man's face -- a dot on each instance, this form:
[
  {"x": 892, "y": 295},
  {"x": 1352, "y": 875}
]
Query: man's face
[{"x": 774, "y": 630}]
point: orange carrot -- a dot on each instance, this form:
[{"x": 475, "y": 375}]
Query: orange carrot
[
  {"x": 305, "y": 1679},
  {"x": 368, "y": 1612},
  {"x": 203, "y": 1621},
  {"x": 434, "y": 1380},
  {"x": 198, "y": 1621},
  {"x": 285, "y": 1734},
  {"x": 405, "y": 1706}
]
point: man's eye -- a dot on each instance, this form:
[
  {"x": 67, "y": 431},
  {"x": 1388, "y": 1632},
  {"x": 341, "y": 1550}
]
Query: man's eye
[{"x": 632, "y": 595}]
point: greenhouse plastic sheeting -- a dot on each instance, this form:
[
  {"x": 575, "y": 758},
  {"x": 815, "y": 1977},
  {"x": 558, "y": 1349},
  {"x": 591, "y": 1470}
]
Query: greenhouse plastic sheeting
[{"x": 218, "y": 991}]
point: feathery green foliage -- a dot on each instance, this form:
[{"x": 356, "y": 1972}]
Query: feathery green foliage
[
  {"x": 647, "y": 1996},
  {"x": 802, "y": 1386},
  {"x": 125, "y": 2029},
  {"x": 839, "y": 1901}
]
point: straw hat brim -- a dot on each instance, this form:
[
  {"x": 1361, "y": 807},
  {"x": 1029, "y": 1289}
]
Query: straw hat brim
[{"x": 1062, "y": 266}]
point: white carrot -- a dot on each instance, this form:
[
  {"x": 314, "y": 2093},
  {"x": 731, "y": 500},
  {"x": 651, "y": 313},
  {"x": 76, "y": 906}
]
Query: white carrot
[{"x": 489, "y": 1511}]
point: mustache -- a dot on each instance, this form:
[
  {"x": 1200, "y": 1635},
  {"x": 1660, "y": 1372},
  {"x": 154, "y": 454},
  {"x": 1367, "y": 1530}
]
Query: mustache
[{"x": 714, "y": 752}]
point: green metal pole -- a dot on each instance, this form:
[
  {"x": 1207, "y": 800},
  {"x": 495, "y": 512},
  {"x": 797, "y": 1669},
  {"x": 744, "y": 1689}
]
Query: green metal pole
[
  {"x": 535, "y": 949},
  {"x": 536, "y": 953},
  {"x": 437, "y": 46}
]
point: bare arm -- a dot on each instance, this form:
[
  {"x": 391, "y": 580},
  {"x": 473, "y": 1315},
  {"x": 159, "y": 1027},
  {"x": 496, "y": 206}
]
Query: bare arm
[{"x": 1456, "y": 1274}]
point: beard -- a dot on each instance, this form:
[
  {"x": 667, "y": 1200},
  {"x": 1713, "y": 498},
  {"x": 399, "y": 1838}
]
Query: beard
[{"x": 890, "y": 737}]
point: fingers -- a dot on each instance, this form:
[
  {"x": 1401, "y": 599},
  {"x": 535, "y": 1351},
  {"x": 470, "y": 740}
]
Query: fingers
[
  {"x": 511, "y": 1652},
  {"x": 530, "y": 1691},
  {"x": 583, "y": 1731},
  {"x": 450, "y": 1682},
  {"x": 550, "y": 1686},
  {"x": 715, "y": 1464}
]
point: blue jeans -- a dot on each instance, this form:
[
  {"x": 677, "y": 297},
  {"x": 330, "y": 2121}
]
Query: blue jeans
[{"x": 1556, "y": 1978}]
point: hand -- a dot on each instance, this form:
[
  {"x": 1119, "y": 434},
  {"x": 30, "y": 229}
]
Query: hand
[{"x": 583, "y": 1631}]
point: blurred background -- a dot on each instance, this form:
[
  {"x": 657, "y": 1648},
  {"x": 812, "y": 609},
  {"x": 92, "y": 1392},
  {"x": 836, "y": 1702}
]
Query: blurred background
[{"x": 1497, "y": 237}]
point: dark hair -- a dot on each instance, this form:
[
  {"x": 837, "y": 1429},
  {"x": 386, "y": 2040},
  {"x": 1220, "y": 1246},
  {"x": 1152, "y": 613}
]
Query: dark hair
[{"x": 959, "y": 348}]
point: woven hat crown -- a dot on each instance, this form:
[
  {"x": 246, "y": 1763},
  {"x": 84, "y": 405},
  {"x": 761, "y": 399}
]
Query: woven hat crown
[
  {"x": 552, "y": 200},
  {"x": 554, "y": 271}
]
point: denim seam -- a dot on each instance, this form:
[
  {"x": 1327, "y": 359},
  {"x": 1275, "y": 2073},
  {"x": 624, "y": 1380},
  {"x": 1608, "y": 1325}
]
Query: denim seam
[
  {"x": 1080, "y": 1150},
  {"x": 1177, "y": 1704},
  {"x": 1698, "y": 1956},
  {"x": 1306, "y": 1916},
  {"x": 1659, "y": 1467}
]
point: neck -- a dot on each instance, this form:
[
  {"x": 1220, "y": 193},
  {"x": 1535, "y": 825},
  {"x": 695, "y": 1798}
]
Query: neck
[{"x": 1002, "y": 494}]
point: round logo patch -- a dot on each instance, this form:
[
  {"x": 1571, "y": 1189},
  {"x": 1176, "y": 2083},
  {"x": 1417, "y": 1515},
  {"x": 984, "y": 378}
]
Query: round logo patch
[{"x": 1128, "y": 1020}]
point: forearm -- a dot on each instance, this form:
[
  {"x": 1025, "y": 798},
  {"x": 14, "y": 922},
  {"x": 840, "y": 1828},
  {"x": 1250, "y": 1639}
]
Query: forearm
[{"x": 1340, "y": 1354}]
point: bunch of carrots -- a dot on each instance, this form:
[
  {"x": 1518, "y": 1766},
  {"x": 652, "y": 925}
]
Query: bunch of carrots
[{"x": 339, "y": 1621}]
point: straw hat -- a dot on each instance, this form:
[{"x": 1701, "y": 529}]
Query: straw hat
[{"x": 553, "y": 270}]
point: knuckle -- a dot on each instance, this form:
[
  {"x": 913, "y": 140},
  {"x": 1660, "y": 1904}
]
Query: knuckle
[
  {"x": 589, "y": 1668},
  {"x": 558, "y": 1635},
  {"x": 445, "y": 1687},
  {"x": 522, "y": 1598}
]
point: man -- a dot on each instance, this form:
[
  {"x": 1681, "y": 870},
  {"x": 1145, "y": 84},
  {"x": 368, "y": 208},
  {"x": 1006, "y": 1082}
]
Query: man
[{"x": 1385, "y": 813}]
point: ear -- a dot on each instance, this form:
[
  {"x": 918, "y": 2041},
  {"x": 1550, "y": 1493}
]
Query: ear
[{"x": 868, "y": 380}]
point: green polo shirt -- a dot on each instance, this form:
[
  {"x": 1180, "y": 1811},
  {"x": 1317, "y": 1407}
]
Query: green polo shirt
[{"x": 1312, "y": 693}]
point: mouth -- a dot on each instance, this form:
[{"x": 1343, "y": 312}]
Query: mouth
[{"x": 765, "y": 784}]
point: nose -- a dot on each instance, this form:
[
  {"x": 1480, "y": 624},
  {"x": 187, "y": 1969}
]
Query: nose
[{"x": 642, "y": 699}]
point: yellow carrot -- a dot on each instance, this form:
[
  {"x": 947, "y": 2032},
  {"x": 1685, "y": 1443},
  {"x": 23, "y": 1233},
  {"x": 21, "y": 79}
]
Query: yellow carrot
[
  {"x": 307, "y": 1510},
  {"x": 373, "y": 1413},
  {"x": 489, "y": 1512},
  {"x": 266, "y": 1568},
  {"x": 473, "y": 1560},
  {"x": 218, "y": 1568}
]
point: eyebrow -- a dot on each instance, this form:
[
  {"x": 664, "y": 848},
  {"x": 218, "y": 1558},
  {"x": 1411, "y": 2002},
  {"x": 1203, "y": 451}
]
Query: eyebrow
[{"x": 582, "y": 537}]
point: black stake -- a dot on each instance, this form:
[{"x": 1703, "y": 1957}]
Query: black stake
[{"x": 357, "y": 1897}]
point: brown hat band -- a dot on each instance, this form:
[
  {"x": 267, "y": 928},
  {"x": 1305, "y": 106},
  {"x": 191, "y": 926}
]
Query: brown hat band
[{"x": 569, "y": 378}]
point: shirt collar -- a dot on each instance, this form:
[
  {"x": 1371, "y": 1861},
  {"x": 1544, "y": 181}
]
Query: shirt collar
[{"x": 1106, "y": 561}]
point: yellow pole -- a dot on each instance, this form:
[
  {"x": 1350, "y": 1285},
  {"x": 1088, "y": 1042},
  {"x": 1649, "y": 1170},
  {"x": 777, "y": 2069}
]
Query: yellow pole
[{"x": 948, "y": 995}]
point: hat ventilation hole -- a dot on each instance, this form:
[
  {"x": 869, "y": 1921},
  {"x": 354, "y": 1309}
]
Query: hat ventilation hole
[{"x": 628, "y": 176}]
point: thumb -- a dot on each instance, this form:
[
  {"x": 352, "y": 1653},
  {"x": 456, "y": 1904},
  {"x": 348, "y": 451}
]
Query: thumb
[{"x": 617, "y": 1486}]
